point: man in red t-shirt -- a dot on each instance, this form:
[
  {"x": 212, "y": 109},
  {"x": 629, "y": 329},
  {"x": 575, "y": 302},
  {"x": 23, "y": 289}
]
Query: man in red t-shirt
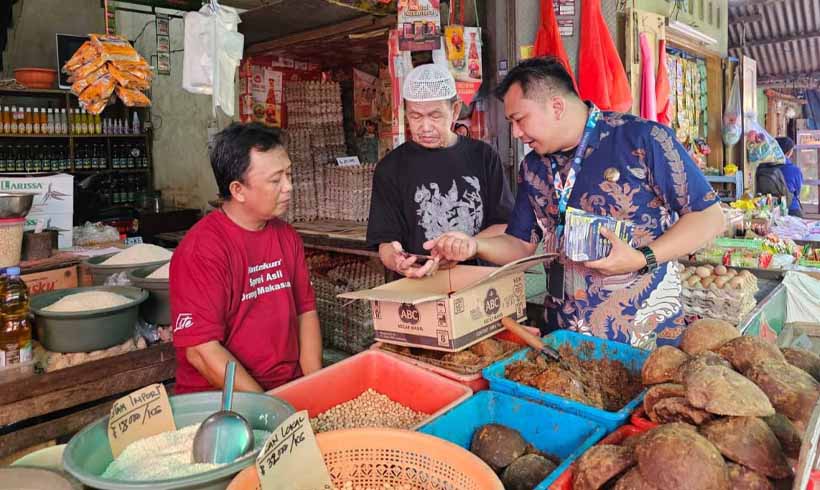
[{"x": 240, "y": 288}]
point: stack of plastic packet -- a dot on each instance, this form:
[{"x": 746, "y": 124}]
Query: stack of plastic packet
[
  {"x": 582, "y": 235},
  {"x": 104, "y": 65}
]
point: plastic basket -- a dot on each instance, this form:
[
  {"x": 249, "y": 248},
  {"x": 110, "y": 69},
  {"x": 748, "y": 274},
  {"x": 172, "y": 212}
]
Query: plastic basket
[
  {"x": 476, "y": 381},
  {"x": 631, "y": 357},
  {"x": 404, "y": 383},
  {"x": 377, "y": 457},
  {"x": 564, "y": 480},
  {"x": 738, "y": 243},
  {"x": 553, "y": 432}
]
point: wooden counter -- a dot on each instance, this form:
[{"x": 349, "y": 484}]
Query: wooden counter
[
  {"x": 44, "y": 407},
  {"x": 336, "y": 236}
]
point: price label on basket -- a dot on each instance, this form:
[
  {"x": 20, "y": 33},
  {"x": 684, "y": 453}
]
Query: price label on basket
[
  {"x": 291, "y": 459},
  {"x": 143, "y": 413}
]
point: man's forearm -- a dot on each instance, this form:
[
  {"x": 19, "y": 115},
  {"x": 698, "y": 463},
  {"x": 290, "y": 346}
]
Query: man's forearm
[
  {"x": 492, "y": 230},
  {"x": 692, "y": 231},
  {"x": 310, "y": 342},
  {"x": 210, "y": 359},
  {"x": 503, "y": 249}
]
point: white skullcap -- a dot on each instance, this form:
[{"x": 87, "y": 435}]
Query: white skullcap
[{"x": 427, "y": 83}]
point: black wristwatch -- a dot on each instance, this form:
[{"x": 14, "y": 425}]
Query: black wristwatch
[{"x": 651, "y": 262}]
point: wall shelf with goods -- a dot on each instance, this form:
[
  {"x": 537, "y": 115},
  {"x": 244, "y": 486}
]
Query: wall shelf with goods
[{"x": 76, "y": 142}]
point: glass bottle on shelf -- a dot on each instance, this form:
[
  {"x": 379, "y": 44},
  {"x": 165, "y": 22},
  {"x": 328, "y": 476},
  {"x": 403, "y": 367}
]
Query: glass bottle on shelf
[
  {"x": 97, "y": 124},
  {"x": 136, "y": 127},
  {"x": 45, "y": 160},
  {"x": 21, "y": 160},
  {"x": 27, "y": 121},
  {"x": 6, "y": 120},
  {"x": 35, "y": 120},
  {"x": 13, "y": 127},
  {"x": 5, "y": 151},
  {"x": 50, "y": 121},
  {"x": 63, "y": 122}
]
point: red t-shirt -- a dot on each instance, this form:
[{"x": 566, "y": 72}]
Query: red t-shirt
[{"x": 244, "y": 289}]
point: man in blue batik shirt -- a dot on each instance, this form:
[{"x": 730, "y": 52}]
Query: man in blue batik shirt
[
  {"x": 625, "y": 168},
  {"x": 792, "y": 175}
]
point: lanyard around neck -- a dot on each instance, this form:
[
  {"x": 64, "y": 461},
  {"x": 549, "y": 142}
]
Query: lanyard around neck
[{"x": 563, "y": 189}]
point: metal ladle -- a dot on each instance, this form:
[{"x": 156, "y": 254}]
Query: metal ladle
[{"x": 224, "y": 436}]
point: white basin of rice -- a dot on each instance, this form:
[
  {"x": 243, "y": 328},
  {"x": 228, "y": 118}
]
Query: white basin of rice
[
  {"x": 161, "y": 273},
  {"x": 87, "y": 301},
  {"x": 139, "y": 254}
]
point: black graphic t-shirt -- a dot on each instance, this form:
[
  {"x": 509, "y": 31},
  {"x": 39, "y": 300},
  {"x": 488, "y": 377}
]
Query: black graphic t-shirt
[{"x": 419, "y": 193}]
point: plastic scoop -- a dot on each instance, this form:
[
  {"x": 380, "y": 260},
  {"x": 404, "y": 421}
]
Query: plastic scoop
[{"x": 224, "y": 436}]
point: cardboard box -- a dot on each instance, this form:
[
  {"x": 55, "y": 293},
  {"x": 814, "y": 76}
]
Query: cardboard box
[
  {"x": 451, "y": 310},
  {"x": 54, "y": 193},
  {"x": 62, "y": 222},
  {"x": 47, "y": 281}
]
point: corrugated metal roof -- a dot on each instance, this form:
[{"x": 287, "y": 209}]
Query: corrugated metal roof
[{"x": 783, "y": 36}]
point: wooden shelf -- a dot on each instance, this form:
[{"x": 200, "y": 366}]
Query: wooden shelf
[
  {"x": 34, "y": 136},
  {"x": 33, "y": 91},
  {"x": 123, "y": 136},
  {"x": 112, "y": 171}
]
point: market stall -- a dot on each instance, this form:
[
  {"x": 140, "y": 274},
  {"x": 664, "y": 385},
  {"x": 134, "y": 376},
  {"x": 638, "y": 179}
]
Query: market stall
[{"x": 438, "y": 382}]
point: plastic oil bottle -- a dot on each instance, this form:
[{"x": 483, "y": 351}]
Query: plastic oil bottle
[{"x": 15, "y": 333}]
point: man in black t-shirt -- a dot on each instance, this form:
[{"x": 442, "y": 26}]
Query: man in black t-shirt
[{"x": 436, "y": 183}]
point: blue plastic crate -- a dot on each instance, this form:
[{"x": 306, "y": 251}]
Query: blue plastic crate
[
  {"x": 631, "y": 357},
  {"x": 558, "y": 434}
]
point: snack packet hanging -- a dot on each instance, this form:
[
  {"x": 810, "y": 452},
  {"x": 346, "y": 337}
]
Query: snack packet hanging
[
  {"x": 100, "y": 90},
  {"x": 582, "y": 235},
  {"x": 139, "y": 69},
  {"x": 83, "y": 55},
  {"x": 127, "y": 79},
  {"x": 133, "y": 98},
  {"x": 86, "y": 69},
  {"x": 114, "y": 47},
  {"x": 80, "y": 85}
]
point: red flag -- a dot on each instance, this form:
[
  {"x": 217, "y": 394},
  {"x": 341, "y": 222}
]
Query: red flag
[
  {"x": 548, "y": 40},
  {"x": 602, "y": 78},
  {"x": 662, "y": 88}
]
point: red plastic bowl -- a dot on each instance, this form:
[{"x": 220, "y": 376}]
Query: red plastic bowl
[{"x": 36, "y": 77}]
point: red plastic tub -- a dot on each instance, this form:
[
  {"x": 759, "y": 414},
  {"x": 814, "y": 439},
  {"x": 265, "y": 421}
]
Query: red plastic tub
[
  {"x": 475, "y": 382},
  {"x": 404, "y": 383},
  {"x": 641, "y": 421},
  {"x": 564, "y": 482}
]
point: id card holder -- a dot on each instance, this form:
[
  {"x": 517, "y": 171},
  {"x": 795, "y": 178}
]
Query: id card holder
[{"x": 555, "y": 280}]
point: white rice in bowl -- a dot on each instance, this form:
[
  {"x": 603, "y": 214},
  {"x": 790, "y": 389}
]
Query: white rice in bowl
[
  {"x": 139, "y": 254},
  {"x": 87, "y": 301},
  {"x": 162, "y": 273}
]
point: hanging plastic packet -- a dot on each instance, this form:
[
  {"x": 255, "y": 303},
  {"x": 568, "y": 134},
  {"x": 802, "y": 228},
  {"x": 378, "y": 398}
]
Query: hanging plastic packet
[{"x": 582, "y": 235}]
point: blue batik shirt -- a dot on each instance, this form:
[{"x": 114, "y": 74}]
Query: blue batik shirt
[{"x": 652, "y": 181}]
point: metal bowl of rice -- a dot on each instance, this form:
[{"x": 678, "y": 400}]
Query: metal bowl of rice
[{"x": 86, "y": 325}]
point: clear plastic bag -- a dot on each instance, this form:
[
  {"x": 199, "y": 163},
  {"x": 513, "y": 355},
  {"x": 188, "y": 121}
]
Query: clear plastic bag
[
  {"x": 761, "y": 147},
  {"x": 732, "y": 128}
]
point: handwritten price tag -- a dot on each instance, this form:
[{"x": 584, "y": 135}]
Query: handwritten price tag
[
  {"x": 291, "y": 459},
  {"x": 143, "y": 413}
]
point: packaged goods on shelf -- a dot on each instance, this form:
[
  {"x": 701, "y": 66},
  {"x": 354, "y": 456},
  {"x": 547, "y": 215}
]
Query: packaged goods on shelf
[{"x": 104, "y": 65}]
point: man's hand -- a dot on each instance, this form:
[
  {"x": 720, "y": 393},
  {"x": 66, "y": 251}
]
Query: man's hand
[
  {"x": 622, "y": 259},
  {"x": 405, "y": 264},
  {"x": 452, "y": 246}
]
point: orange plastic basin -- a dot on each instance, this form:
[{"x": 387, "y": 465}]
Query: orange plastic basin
[
  {"x": 375, "y": 457},
  {"x": 404, "y": 383}
]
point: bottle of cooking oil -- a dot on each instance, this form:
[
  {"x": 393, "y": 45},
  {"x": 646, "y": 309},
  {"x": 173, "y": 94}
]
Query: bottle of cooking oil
[{"x": 15, "y": 332}]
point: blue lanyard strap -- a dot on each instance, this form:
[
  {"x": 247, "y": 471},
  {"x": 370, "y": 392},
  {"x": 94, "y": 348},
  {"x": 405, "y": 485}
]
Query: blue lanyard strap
[{"x": 563, "y": 189}]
